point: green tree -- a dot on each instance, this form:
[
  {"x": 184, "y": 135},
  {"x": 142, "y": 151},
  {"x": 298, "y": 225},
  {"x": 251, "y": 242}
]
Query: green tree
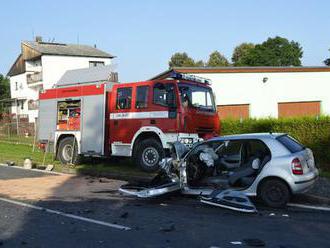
[
  {"x": 327, "y": 61},
  {"x": 181, "y": 60},
  {"x": 276, "y": 51},
  {"x": 4, "y": 90},
  {"x": 217, "y": 59},
  {"x": 240, "y": 52}
]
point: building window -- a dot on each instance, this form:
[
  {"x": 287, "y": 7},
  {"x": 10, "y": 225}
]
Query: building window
[
  {"x": 32, "y": 105},
  {"x": 95, "y": 63},
  {"x": 124, "y": 98},
  {"x": 16, "y": 85},
  {"x": 295, "y": 109},
  {"x": 141, "y": 97},
  {"x": 234, "y": 111}
]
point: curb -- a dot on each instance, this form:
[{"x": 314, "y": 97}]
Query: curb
[{"x": 38, "y": 170}]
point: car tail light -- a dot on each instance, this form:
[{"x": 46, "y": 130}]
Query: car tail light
[{"x": 296, "y": 167}]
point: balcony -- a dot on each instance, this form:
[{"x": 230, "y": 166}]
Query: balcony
[{"x": 35, "y": 78}]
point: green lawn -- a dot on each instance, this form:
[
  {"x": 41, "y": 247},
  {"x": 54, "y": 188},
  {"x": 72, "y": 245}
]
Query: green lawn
[
  {"x": 97, "y": 167},
  {"x": 17, "y": 139},
  {"x": 18, "y": 152}
]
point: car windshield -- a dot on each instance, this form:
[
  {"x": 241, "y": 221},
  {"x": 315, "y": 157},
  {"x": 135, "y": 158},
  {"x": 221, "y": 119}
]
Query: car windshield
[{"x": 197, "y": 97}]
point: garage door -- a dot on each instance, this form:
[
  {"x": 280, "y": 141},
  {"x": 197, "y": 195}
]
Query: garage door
[
  {"x": 235, "y": 111},
  {"x": 293, "y": 109}
]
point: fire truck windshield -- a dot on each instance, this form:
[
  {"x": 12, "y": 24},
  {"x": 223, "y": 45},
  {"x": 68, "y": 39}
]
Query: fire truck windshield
[{"x": 197, "y": 97}]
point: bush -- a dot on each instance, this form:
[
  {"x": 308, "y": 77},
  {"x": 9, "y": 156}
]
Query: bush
[{"x": 310, "y": 131}]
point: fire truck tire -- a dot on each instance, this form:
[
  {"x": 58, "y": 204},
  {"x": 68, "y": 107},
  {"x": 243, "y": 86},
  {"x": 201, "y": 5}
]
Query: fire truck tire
[
  {"x": 148, "y": 154},
  {"x": 67, "y": 151}
]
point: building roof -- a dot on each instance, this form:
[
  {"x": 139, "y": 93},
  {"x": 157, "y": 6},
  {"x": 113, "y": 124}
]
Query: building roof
[
  {"x": 51, "y": 48},
  {"x": 258, "y": 69},
  {"x": 88, "y": 75},
  {"x": 32, "y": 50}
]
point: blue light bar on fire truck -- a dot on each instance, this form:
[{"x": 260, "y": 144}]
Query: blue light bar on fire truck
[{"x": 189, "y": 77}]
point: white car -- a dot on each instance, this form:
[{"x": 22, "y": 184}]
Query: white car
[{"x": 226, "y": 170}]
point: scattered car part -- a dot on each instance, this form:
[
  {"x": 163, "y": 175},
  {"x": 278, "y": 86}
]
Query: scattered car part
[{"x": 230, "y": 199}]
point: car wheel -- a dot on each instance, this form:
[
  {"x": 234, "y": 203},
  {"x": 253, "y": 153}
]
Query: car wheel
[
  {"x": 274, "y": 193},
  {"x": 67, "y": 151},
  {"x": 149, "y": 153}
]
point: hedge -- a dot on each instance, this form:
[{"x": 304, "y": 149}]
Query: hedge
[{"x": 311, "y": 131}]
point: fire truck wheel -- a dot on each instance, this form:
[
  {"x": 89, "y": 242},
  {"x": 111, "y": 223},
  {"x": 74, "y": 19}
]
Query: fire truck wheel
[
  {"x": 67, "y": 151},
  {"x": 148, "y": 154}
]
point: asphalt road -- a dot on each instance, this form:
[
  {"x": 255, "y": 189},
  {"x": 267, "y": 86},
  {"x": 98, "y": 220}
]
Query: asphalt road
[{"x": 172, "y": 221}]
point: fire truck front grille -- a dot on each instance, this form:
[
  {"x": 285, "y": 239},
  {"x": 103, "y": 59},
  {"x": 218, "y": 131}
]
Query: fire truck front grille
[{"x": 202, "y": 130}]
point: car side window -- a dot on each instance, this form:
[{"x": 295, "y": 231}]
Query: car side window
[
  {"x": 233, "y": 148},
  {"x": 257, "y": 147},
  {"x": 124, "y": 98},
  {"x": 160, "y": 94},
  {"x": 141, "y": 97}
]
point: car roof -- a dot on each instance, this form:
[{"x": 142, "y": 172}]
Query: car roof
[{"x": 248, "y": 136}]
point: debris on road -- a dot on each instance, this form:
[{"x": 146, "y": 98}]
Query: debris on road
[
  {"x": 254, "y": 242},
  {"x": 236, "y": 242},
  {"x": 124, "y": 215},
  {"x": 169, "y": 228}
]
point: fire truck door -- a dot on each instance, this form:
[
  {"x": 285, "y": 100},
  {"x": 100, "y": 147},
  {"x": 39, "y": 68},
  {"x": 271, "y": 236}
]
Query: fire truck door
[{"x": 92, "y": 126}]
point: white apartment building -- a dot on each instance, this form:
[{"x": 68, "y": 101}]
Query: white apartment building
[
  {"x": 262, "y": 92},
  {"x": 41, "y": 64}
]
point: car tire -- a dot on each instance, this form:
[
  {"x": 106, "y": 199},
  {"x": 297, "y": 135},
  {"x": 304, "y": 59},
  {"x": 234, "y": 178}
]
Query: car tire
[
  {"x": 148, "y": 154},
  {"x": 67, "y": 152},
  {"x": 274, "y": 193}
]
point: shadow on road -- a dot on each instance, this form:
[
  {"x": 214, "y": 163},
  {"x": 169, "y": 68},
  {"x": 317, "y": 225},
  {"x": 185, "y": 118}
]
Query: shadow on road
[{"x": 169, "y": 221}]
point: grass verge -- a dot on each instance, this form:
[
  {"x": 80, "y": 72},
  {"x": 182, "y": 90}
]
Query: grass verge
[{"x": 112, "y": 168}]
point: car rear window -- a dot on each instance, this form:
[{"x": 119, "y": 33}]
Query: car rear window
[{"x": 291, "y": 144}]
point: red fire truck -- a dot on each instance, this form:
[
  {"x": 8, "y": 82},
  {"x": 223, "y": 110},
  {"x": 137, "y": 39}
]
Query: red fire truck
[{"x": 136, "y": 120}]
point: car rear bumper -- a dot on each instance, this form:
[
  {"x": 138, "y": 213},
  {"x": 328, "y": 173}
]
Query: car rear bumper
[{"x": 302, "y": 185}]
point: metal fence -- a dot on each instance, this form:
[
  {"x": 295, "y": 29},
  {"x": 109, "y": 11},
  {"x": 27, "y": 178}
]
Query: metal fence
[{"x": 17, "y": 129}]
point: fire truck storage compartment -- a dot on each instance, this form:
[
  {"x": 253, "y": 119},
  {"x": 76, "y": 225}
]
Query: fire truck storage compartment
[
  {"x": 71, "y": 110},
  {"x": 92, "y": 124},
  {"x": 68, "y": 115}
]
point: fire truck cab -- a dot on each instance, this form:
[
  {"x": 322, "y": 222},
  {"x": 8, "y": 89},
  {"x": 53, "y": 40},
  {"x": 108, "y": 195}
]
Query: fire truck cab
[{"x": 136, "y": 120}]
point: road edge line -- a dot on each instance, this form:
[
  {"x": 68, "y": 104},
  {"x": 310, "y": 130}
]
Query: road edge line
[{"x": 308, "y": 206}]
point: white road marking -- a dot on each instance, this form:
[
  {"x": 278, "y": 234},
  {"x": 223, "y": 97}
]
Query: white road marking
[
  {"x": 309, "y": 207},
  {"x": 72, "y": 216}
]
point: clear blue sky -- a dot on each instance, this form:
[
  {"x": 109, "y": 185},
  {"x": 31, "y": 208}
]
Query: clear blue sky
[{"x": 144, "y": 34}]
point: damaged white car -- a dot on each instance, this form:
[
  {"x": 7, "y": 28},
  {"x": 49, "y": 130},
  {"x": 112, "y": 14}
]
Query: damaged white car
[{"x": 226, "y": 170}]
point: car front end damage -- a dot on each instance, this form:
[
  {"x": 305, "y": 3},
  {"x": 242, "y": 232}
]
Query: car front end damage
[{"x": 173, "y": 177}]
